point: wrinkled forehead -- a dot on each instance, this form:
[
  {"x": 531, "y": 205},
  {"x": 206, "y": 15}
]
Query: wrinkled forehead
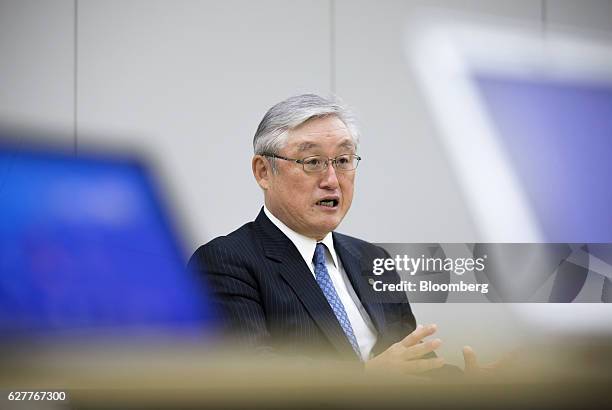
[{"x": 335, "y": 137}]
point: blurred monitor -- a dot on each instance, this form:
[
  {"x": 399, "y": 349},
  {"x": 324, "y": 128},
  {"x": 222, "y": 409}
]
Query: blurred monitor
[
  {"x": 525, "y": 119},
  {"x": 87, "y": 246}
]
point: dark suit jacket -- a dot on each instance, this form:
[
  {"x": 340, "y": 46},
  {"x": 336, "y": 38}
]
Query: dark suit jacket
[{"x": 268, "y": 297}]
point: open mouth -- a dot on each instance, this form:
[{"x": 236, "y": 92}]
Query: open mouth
[{"x": 329, "y": 203}]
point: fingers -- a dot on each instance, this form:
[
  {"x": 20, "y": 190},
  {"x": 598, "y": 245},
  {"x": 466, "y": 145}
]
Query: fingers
[
  {"x": 406, "y": 355},
  {"x": 422, "y": 365},
  {"x": 419, "y": 333},
  {"x": 469, "y": 357},
  {"x": 420, "y": 349}
]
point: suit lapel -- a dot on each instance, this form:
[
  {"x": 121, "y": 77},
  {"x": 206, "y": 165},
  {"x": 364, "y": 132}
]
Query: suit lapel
[
  {"x": 350, "y": 258},
  {"x": 299, "y": 277}
]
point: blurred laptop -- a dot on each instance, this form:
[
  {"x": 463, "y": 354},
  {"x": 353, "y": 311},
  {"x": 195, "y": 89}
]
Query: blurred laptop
[{"x": 88, "y": 249}]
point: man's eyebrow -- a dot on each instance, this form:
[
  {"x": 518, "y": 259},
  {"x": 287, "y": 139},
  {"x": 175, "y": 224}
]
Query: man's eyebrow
[
  {"x": 347, "y": 144},
  {"x": 304, "y": 146}
]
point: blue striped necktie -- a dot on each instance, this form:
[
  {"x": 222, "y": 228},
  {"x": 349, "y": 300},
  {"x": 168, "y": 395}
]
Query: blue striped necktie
[{"x": 326, "y": 285}]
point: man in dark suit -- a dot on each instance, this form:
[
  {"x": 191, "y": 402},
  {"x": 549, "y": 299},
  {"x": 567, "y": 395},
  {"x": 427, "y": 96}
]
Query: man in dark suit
[{"x": 286, "y": 282}]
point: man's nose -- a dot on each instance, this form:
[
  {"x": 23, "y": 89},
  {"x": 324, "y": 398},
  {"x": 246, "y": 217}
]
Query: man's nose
[{"x": 330, "y": 177}]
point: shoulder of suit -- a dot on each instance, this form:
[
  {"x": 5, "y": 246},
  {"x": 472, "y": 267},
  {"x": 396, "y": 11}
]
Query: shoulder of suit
[
  {"x": 239, "y": 238},
  {"x": 357, "y": 244}
]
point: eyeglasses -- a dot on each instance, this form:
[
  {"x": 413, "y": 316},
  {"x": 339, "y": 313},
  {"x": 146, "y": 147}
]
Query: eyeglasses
[{"x": 319, "y": 163}]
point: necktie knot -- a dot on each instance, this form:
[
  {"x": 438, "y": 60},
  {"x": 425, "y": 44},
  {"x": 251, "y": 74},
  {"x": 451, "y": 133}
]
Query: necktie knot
[{"x": 319, "y": 257}]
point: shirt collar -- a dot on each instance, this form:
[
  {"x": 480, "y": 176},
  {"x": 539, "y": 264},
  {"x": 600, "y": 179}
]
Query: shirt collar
[{"x": 305, "y": 245}]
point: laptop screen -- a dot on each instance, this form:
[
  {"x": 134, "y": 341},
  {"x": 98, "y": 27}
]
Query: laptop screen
[{"x": 87, "y": 243}]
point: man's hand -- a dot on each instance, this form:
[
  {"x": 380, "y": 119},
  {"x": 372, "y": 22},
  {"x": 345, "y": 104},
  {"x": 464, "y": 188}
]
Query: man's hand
[
  {"x": 474, "y": 370},
  {"x": 406, "y": 355}
]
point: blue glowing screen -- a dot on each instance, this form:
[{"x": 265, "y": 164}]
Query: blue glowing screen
[
  {"x": 85, "y": 242},
  {"x": 558, "y": 136}
]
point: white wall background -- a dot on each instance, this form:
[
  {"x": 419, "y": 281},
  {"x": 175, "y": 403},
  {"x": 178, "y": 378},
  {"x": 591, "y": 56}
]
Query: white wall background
[{"x": 190, "y": 80}]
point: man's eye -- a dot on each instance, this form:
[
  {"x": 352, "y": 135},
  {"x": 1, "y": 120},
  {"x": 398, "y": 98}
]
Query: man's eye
[
  {"x": 343, "y": 160},
  {"x": 313, "y": 162}
]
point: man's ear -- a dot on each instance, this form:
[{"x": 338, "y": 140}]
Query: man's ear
[{"x": 262, "y": 171}]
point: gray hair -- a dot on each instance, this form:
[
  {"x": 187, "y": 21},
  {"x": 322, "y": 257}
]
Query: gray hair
[{"x": 274, "y": 128}]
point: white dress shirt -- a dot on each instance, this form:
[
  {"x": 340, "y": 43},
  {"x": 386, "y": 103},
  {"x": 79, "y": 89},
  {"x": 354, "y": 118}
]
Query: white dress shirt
[{"x": 360, "y": 320}]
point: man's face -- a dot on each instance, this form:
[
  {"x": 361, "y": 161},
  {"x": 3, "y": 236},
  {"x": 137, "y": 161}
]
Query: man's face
[{"x": 295, "y": 196}]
